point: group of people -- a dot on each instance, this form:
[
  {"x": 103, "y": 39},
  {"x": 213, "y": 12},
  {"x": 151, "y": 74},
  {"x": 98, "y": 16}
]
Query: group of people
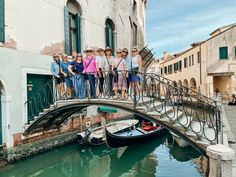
[{"x": 116, "y": 73}]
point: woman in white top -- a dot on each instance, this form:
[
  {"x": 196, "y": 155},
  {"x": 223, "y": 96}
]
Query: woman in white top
[
  {"x": 100, "y": 60},
  {"x": 108, "y": 71},
  {"x": 119, "y": 71},
  {"x": 135, "y": 68}
]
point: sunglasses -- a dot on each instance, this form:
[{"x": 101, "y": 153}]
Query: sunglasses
[
  {"x": 118, "y": 52},
  {"x": 133, "y": 51},
  {"x": 89, "y": 50}
]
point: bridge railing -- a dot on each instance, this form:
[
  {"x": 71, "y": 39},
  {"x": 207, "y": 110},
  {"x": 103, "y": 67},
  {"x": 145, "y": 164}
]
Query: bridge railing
[{"x": 151, "y": 92}]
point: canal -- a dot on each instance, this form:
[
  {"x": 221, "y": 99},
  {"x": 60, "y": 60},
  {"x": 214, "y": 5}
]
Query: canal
[{"x": 160, "y": 157}]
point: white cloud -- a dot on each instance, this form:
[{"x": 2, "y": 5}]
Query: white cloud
[{"x": 174, "y": 25}]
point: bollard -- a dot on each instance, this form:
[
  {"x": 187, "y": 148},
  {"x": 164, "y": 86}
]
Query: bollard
[{"x": 220, "y": 160}]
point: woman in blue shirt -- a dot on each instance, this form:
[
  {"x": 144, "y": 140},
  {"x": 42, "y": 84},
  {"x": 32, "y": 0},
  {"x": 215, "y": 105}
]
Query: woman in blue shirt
[
  {"x": 59, "y": 79},
  {"x": 64, "y": 70},
  {"x": 76, "y": 69}
]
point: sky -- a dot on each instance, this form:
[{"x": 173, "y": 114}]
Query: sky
[{"x": 172, "y": 25}]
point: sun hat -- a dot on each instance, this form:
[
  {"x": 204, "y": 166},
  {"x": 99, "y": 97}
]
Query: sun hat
[
  {"x": 88, "y": 49},
  {"x": 108, "y": 48}
]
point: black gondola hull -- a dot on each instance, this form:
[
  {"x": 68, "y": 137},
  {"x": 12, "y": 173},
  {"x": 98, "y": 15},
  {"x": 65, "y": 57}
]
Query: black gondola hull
[{"x": 114, "y": 141}]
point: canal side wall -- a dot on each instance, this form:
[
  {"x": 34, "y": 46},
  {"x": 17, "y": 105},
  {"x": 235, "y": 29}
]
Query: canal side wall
[{"x": 40, "y": 142}]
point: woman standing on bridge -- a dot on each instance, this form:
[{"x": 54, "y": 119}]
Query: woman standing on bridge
[
  {"x": 76, "y": 69},
  {"x": 119, "y": 72},
  {"x": 90, "y": 70},
  {"x": 135, "y": 69},
  {"x": 109, "y": 59}
]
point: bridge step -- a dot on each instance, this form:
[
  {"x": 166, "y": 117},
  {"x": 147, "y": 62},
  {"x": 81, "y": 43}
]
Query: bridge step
[
  {"x": 141, "y": 108},
  {"x": 52, "y": 107},
  {"x": 183, "y": 122},
  {"x": 155, "y": 105},
  {"x": 41, "y": 113},
  {"x": 172, "y": 117},
  {"x": 195, "y": 129},
  {"x": 46, "y": 110},
  {"x": 162, "y": 113},
  {"x": 208, "y": 136}
]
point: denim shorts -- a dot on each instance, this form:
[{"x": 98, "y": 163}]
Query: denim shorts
[{"x": 68, "y": 82}]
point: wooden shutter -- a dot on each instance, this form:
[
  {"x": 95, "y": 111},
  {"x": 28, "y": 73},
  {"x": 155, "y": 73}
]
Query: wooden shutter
[
  {"x": 2, "y": 21},
  {"x": 78, "y": 33},
  {"x": 223, "y": 53},
  {"x": 67, "y": 31}
]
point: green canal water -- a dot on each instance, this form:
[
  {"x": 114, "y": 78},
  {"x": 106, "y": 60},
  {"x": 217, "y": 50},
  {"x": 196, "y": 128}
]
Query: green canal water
[{"x": 160, "y": 157}]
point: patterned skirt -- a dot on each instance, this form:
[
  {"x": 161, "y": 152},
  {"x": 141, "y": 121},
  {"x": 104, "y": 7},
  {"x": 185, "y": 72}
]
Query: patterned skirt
[{"x": 121, "y": 83}]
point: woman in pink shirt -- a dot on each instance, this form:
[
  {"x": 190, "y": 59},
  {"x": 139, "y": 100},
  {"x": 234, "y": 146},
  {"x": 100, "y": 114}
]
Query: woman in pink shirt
[{"x": 90, "y": 69}]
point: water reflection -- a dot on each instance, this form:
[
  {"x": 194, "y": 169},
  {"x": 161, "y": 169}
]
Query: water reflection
[{"x": 81, "y": 161}]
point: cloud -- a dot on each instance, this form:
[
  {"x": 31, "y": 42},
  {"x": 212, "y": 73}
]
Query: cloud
[{"x": 173, "y": 25}]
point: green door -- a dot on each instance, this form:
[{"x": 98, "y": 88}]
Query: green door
[
  {"x": 39, "y": 93},
  {"x": 0, "y": 118}
]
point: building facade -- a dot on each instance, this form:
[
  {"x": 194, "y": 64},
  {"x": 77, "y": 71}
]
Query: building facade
[
  {"x": 32, "y": 30},
  {"x": 207, "y": 66}
]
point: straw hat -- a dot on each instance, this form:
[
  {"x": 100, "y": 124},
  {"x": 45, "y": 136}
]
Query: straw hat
[
  {"x": 108, "y": 48},
  {"x": 88, "y": 49}
]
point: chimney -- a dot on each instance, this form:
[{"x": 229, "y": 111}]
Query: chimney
[{"x": 165, "y": 55}]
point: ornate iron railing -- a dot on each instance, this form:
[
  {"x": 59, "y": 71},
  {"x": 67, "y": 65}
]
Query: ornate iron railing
[{"x": 186, "y": 108}]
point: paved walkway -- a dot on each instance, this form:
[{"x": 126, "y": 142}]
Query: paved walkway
[{"x": 231, "y": 116}]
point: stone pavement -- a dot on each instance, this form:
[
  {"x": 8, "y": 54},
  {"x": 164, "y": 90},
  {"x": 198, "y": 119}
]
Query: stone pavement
[{"x": 231, "y": 116}]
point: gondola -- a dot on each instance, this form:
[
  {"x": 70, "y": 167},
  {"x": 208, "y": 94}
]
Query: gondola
[
  {"x": 133, "y": 136},
  {"x": 96, "y": 136}
]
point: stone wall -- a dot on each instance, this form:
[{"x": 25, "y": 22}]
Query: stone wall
[{"x": 25, "y": 146}]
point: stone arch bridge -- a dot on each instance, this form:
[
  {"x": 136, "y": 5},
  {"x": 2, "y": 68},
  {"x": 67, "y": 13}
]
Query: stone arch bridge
[{"x": 190, "y": 115}]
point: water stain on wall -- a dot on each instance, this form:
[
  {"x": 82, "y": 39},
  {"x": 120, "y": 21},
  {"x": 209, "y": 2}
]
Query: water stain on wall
[
  {"x": 10, "y": 43},
  {"x": 53, "y": 48}
]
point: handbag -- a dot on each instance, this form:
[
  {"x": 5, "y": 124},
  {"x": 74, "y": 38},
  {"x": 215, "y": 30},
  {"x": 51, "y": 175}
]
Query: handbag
[
  {"x": 115, "y": 71},
  {"x": 86, "y": 74}
]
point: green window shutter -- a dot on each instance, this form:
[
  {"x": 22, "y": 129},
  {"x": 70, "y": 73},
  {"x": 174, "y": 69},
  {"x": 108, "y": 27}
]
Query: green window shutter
[
  {"x": 107, "y": 35},
  {"x": 234, "y": 51},
  {"x": 67, "y": 31},
  {"x": 223, "y": 53},
  {"x": 2, "y": 21},
  {"x": 78, "y": 34}
]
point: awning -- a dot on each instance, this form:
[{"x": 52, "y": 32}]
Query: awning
[{"x": 106, "y": 109}]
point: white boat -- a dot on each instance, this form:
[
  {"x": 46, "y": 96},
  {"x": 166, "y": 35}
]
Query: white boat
[
  {"x": 181, "y": 142},
  {"x": 96, "y": 136}
]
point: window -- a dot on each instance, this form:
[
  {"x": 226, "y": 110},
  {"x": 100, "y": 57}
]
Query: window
[
  {"x": 185, "y": 62},
  {"x": 190, "y": 60},
  {"x": 161, "y": 71},
  {"x": 109, "y": 34},
  {"x": 175, "y": 67},
  {"x": 165, "y": 69},
  {"x": 198, "y": 57},
  {"x": 170, "y": 69},
  {"x": 135, "y": 34},
  {"x": 223, "y": 53},
  {"x": 2, "y": 22},
  {"x": 72, "y": 27},
  {"x": 180, "y": 65}
]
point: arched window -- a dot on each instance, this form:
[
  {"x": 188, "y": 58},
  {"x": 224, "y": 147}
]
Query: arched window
[
  {"x": 72, "y": 13},
  {"x": 185, "y": 84},
  {"x": 109, "y": 34},
  {"x": 193, "y": 84}
]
